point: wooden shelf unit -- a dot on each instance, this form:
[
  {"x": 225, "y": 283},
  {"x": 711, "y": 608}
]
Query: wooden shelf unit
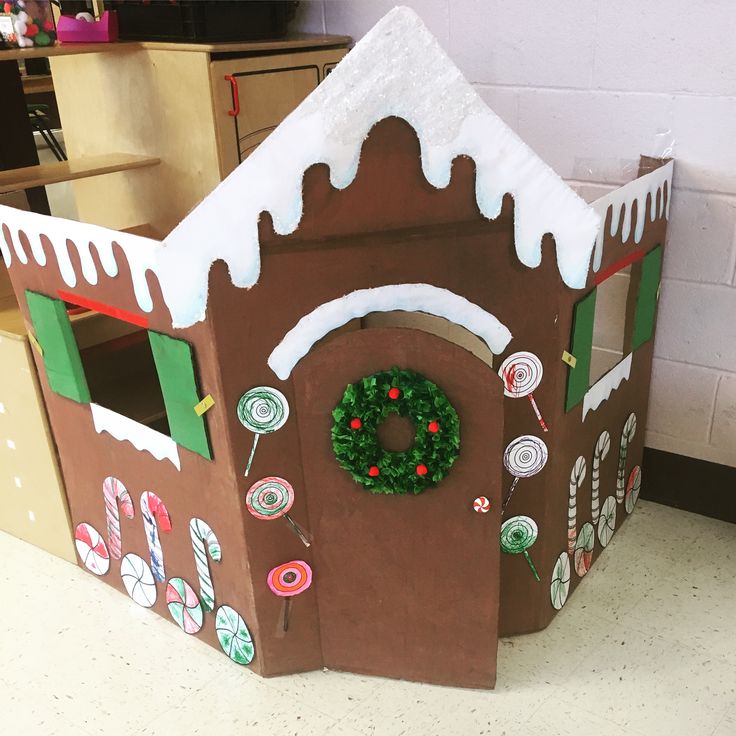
[{"x": 12, "y": 180}]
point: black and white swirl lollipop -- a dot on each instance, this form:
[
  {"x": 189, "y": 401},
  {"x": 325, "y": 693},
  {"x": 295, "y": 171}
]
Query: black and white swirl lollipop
[{"x": 525, "y": 456}]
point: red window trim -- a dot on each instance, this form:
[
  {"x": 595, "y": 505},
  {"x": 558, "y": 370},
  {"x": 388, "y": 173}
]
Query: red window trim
[
  {"x": 619, "y": 265},
  {"x": 120, "y": 314}
]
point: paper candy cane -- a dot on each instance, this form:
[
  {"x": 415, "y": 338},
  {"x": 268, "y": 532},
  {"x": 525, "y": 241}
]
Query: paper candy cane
[
  {"x": 600, "y": 452},
  {"x": 577, "y": 476},
  {"x": 115, "y": 492},
  {"x": 155, "y": 519},
  {"x": 627, "y": 435},
  {"x": 202, "y": 535}
]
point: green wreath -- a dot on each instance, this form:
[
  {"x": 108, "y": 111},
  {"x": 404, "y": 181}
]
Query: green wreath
[{"x": 366, "y": 403}]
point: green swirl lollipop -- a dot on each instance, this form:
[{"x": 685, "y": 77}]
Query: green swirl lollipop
[
  {"x": 517, "y": 535},
  {"x": 262, "y": 410}
]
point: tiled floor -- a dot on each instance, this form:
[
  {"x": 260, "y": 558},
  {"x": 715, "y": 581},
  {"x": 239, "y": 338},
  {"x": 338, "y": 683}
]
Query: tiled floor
[{"x": 646, "y": 646}]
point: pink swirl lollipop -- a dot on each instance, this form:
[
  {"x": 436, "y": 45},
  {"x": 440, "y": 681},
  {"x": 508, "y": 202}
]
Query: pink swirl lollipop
[
  {"x": 271, "y": 498},
  {"x": 521, "y": 374},
  {"x": 288, "y": 580}
]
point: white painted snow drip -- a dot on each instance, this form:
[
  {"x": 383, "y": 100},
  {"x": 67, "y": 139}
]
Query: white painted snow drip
[
  {"x": 139, "y": 435},
  {"x": 605, "y": 386},
  {"x": 624, "y": 197},
  {"x": 65, "y": 234},
  {"x": 396, "y": 297}
]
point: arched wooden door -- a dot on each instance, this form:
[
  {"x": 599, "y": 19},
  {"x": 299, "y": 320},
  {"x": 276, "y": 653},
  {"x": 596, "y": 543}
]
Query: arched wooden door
[{"x": 407, "y": 586}]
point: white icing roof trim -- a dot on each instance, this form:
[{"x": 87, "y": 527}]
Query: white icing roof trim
[
  {"x": 605, "y": 386},
  {"x": 625, "y": 196},
  {"x": 396, "y": 297},
  {"x": 397, "y": 69},
  {"x": 140, "y": 252},
  {"x": 141, "y": 437}
]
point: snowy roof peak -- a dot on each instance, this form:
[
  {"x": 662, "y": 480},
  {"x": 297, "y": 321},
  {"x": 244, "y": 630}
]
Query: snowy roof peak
[{"x": 397, "y": 69}]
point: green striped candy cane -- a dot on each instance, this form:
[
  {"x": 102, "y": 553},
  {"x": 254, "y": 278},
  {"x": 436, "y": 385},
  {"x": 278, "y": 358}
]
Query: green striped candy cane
[
  {"x": 204, "y": 543},
  {"x": 627, "y": 435}
]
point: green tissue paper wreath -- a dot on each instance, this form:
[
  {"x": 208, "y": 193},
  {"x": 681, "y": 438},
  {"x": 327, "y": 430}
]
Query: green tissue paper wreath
[{"x": 366, "y": 403}]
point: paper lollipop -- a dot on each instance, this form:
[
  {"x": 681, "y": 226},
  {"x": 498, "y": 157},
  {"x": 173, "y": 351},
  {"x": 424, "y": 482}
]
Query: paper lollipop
[
  {"x": 627, "y": 435},
  {"x": 184, "y": 605},
  {"x": 288, "y": 580},
  {"x": 271, "y": 498},
  {"x": 600, "y": 452},
  {"x": 577, "y": 476},
  {"x": 481, "y": 505},
  {"x": 521, "y": 374},
  {"x": 584, "y": 549},
  {"x": 525, "y": 456},
  {"x": 262, "y": 410},
  {"x": 234, "y": 636},
  {"x": 517, "y": 535},
  {"x": 632, "y": 489},
  {"x": 560, "y": 586},
  {"x": 91, "y": 549}
]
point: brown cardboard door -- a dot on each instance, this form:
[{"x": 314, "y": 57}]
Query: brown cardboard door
[{"x": 407, "y": 586}]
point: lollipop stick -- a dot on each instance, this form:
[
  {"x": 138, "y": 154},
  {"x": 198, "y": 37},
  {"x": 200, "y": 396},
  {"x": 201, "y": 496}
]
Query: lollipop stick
[
  {"x": 531, "y": 564},
  {"x": 510, "y": 493},
  {"x": 252, "y": 453},
  {"x": 287, "y": 608},
  {"x": 541, "y": 421},
  {"x": 298, "y": 531}
]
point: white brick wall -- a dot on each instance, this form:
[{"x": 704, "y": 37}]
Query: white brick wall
[{"x": 590, "y": 86}]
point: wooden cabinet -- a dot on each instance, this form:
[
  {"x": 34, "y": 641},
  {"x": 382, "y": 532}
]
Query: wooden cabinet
[
  {"x": 174, "y": 103},
  {"x": 253, "y": 95}
]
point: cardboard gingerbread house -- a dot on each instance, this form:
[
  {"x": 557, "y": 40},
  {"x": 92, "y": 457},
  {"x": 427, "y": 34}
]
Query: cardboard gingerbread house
[{"x": 361, "y": 409}]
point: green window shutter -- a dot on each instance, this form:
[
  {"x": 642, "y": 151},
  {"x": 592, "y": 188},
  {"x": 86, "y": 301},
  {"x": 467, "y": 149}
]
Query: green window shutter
[
  {"x": 61, "y": 359},
  {"x": 175, "y": 368},
  {"x": 581, "y": 346},
  {"x": 646, "y": 300}
]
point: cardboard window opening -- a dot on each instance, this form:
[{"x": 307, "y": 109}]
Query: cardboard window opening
[{"x": 639, "y": 327}]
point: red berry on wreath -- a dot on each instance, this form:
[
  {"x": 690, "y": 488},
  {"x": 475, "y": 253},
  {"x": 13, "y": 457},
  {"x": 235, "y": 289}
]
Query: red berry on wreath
[
  {"x": 373, "y": 471},
  {"x": 394, "y": 393},
  {"x": 355, "y": 423},
  {"x": 433, "y": 427},
  {"x": 422, "y": 470}
]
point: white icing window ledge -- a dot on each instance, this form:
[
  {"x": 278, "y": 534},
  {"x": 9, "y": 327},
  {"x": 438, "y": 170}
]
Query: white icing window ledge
[
  {"x": 605, "y": 386},
  {"x": 141, "y": 437}
]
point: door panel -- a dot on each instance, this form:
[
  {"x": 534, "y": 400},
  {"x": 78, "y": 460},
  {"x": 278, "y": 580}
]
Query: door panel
[{"x": 407, "y": 586}]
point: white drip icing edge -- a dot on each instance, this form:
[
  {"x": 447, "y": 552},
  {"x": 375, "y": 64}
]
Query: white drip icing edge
[
  {"x": 395, "y": 297},
  {"x": 141, "y": 437},
  {"x": 397, "y": 69},
  {"x": 606, "y": 385},
  {"x": 651, "y": 185}
]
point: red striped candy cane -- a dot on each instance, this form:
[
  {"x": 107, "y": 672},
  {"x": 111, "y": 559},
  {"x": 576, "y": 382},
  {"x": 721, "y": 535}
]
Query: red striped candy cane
[
  {"x": 155, "y": 518},
  {"x": 577, "y": 476},
  {"x": 114, "y": 493}
]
